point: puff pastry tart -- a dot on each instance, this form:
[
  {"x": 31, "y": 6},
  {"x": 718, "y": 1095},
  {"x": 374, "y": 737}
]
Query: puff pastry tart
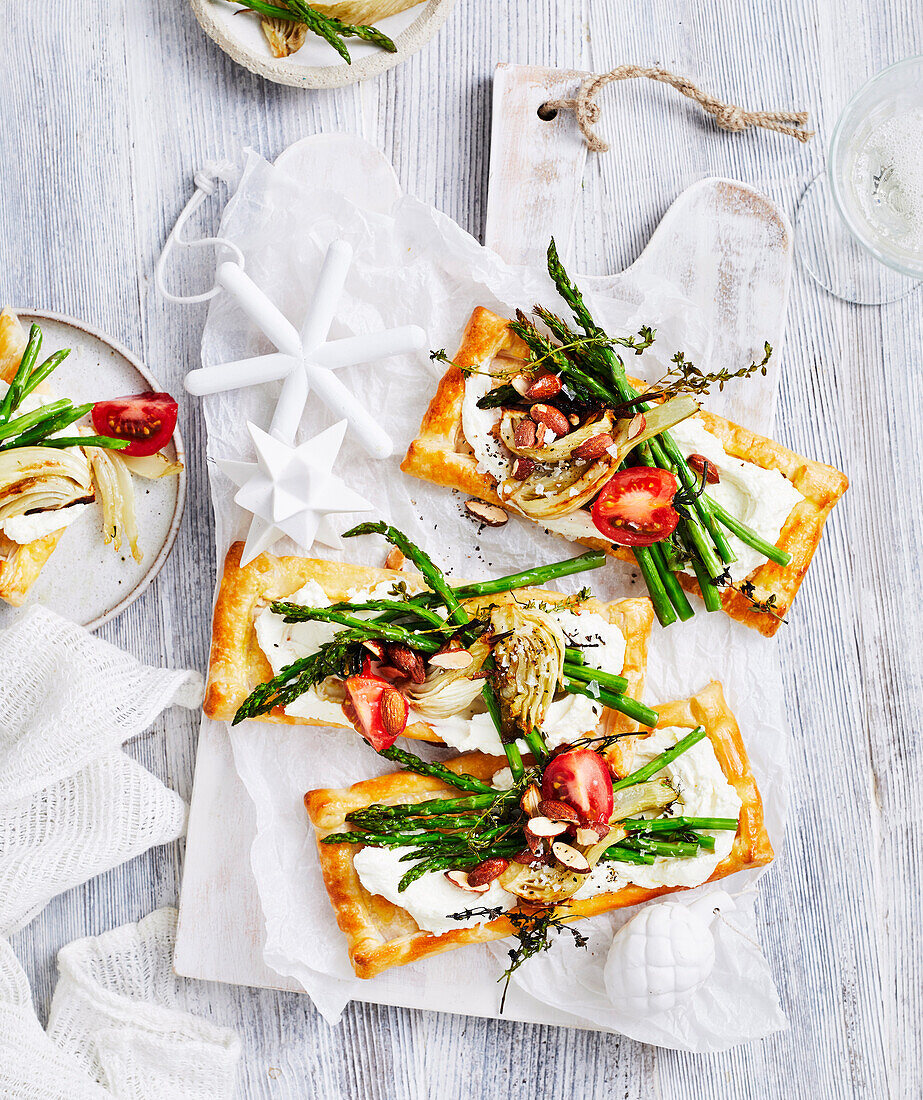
[
  {"x": 51, "y": 468},
  {"x": 519, "y": 421},
  {"x": 269, "y": 624},
  {"x": 20, "y": 563},
  {"x": 409, "y": 876}
]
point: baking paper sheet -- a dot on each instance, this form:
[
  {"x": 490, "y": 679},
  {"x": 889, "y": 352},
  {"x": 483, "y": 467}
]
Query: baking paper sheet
[{"x": 414, "y": 265}]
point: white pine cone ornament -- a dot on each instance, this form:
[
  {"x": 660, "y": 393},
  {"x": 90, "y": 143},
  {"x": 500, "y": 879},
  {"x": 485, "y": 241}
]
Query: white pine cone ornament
[{"x": 658, "y": 959}]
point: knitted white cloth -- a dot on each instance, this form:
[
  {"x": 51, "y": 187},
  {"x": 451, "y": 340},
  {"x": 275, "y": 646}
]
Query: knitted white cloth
[
  {"x": 72, "y": 804},
  {"x": 116, "y": 1028}
]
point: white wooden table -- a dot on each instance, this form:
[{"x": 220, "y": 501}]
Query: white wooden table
[{"x": 109, "y": 108}]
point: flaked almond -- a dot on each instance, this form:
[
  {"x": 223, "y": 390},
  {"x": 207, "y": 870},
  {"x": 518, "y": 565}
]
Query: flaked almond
[
  {"x": 529, "y": 859},
  {"x": 520, "y": 383},
  {"x": 452, "y": 658},
  {"x": 701, "y": 465},
  {"x": 587, "y": 837},
  {"x": 404, "y": 658},
  {"x": 523, "y": 468},
  {"x": 485, "y": 873},
  {"x": 531, "y": 800},
  {"x": 594, "y": 447},
  {"x": 559, "y": 811},
  {"x": 573, "y": 420},
  {"x": 525, "y": 434},
  {"x": 637, "y": 425},
  {"x": 393, "y": 709},
  {"x": 461, "y": 880},
  {"x": 551, "y": 418},
  {"x": 537, "y": 846},
  {"x": 545, "y": 386},
  {"x": 544, "y": 827},
  {"x": 375, "y": 648},
  {"x": 486, "y": 513},
  {"x": 395, "y": 559},
  {"x": 571, "y": 858}
]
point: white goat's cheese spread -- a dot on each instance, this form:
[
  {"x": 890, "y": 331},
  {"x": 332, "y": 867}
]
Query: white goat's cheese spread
[
  {"x": 36, "y": 525},
  {"x": 283, "y": 643},
  {"x": 762, "y": 499},
  {"x": 477, "y": 425},
  {"x": 703, "y": 791},
  {"x": 602, "y": 642},
  {"x": 431, "y": 898}
]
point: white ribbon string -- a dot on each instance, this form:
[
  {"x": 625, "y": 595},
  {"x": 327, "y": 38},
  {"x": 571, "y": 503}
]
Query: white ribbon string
[{"x": 206, "y": 184}]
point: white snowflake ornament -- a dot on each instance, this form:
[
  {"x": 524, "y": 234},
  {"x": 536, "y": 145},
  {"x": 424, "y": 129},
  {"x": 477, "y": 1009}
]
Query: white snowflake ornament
[
  {"x": 658, "y": 959},
  {"x": 292, "y": 490},
  {"x": 306, "y": 360}
]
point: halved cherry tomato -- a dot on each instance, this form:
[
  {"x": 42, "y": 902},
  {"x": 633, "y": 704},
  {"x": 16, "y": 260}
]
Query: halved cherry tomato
[
  {"x": 146, "y": 420},
  {"x": 363, "y": 708},
  {"x": 580, "y": 778},
  {"x": 635, "y": 506}
]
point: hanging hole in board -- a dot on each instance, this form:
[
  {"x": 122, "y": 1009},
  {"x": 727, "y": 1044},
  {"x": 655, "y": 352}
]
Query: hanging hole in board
[{"x": 547, "y": 113}]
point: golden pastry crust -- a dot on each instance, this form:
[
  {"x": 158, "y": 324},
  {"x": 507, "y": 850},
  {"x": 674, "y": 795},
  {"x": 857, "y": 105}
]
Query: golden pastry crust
[
  {"x": 20, "y": 564},
  {"x": 237, "y": 664},
  {"x": 441, "y": 454},
  {"x": 380, "y": 935}
]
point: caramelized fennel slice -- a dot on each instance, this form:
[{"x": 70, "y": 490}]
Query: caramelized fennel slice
[
  {"x": 117, "y": 497},
  {"x": 655, "y": 794},
  {"x": 283, "y": 35},
  {"x": 530, "y": 662},
  {"x": 541, "y": 885},
  {"x": 150, "y": 467},
  {"x": 446, "y": 692},
  {"x": 38, "y": 479}
]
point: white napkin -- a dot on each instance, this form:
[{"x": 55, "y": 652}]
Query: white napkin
[
  {"x": 72, "y": 804},
  {"x": 116, "y": 1028},
  {"x": 413, "y": 264}
]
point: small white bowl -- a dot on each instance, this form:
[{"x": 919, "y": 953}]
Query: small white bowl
[{"x": 317, "y": 64}]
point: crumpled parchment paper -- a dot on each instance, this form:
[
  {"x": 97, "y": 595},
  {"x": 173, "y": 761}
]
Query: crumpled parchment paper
[{"x": 414, "y": 265}]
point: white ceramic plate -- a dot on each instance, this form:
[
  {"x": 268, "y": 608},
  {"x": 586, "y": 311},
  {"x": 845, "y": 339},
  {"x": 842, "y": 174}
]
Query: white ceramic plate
[
  {"x": 84, "y": 579},
  {"x": 316, "y": 64}
]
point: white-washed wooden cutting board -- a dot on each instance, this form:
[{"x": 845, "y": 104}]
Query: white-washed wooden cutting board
[{"x": 727, "y": 249}]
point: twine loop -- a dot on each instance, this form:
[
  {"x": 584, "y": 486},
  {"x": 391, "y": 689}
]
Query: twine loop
[
  {"x": 728, "y": 116},
  {"x": 206, "y": 182}
]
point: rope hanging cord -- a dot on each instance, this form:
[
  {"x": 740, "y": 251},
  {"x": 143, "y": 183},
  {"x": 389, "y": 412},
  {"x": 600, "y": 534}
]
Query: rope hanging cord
[{"x": 726, "y": 115}]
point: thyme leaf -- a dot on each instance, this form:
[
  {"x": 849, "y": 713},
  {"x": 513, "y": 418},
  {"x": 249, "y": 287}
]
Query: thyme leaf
[{"x": 767, "y": 606}]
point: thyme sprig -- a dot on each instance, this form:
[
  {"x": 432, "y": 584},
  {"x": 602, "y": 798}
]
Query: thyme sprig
[
  {"x": 686, "y": 377},
  {"x": 533, "y": 931}
]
